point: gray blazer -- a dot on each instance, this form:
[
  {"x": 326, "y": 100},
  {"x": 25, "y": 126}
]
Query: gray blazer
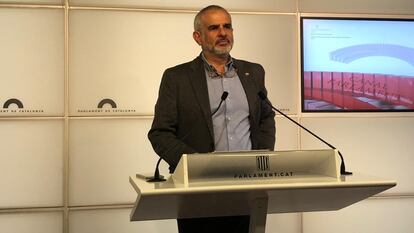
[{"x": 182, "y": 121}]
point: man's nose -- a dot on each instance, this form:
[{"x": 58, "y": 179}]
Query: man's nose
[{"x": 222, "y": 31}]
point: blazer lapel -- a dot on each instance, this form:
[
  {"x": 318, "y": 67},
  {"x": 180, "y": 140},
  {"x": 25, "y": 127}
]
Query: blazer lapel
[
  {"x": 198, "y": 81},
  {"x": 250, "y": 87}
]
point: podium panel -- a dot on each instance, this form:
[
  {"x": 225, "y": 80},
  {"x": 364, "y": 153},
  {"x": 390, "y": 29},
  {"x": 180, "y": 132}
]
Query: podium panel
[
  {"x": 251, "y": 165},
  {"x": 210, "y": 199}
]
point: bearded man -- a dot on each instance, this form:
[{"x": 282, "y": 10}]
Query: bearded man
[{"x": 187, "y": 118}]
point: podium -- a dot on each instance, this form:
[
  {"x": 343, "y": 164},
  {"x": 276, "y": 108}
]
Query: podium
[{"x": 252, "y": 183}]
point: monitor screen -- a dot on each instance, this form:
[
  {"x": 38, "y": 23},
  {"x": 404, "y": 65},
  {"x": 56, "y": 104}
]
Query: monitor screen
[{"x": 357, "y": 65}]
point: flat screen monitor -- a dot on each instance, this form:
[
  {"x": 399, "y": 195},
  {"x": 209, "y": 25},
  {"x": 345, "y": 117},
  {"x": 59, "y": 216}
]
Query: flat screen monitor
[{"x": 357, "y": 64}]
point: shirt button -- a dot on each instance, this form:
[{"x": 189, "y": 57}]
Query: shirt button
[{"x": 228, "y": 118}]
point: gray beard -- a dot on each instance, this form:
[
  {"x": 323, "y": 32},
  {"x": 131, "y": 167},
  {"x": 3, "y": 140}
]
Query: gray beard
[{"x": 220, "y": 52}]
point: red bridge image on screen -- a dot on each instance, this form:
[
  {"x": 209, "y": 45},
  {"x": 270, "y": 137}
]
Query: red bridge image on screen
[{"x": 332, "y": 91}]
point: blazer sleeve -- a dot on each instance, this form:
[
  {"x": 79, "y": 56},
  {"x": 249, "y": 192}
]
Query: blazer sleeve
[{"x": 163, "y": 132}]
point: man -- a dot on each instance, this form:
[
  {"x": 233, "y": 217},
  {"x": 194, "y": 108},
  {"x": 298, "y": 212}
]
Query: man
[{"x": 186, "y": 117}]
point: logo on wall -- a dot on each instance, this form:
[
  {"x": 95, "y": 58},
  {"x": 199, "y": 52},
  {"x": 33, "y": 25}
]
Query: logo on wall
[
  {"x": 106, "y": 105},
  {"x": 14, "y": 105},
  {"x": 13, "y": 101},
  {"x": 262, "y": 163},
  {"x": 107, "y": 101}
]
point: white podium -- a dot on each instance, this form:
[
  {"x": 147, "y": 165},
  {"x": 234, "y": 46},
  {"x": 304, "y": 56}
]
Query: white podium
[{"x": 252, "y": 183}]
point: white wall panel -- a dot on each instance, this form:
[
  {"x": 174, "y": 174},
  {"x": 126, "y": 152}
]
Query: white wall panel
[
  {"x": 103, "y": 154},
  {"x": 31, "y": 2},
  {"x": 358, "y": 6},
  {"x": 32, "y": 61},
  {"x": 285, "y": 223},
  {"x": 271, "y": 41},
  {"x": 118, "y": 55},
  {"x": 376, "y": 146},
  {"x": 240, "y": 5},
  {"x": 42, "y": 222},
  {"x": 122, "y": 56},
  {"x": 286, "y": 134},
  {"x": 43, "y": 2},
  {"x": 370, "y": 216},
  {"x": 31, "y": 167},
  {"x": 115, "y": 220}
]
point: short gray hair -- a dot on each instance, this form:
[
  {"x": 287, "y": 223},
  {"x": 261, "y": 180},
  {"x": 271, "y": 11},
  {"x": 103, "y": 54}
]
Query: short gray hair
[{"x": 197, "y": 19}]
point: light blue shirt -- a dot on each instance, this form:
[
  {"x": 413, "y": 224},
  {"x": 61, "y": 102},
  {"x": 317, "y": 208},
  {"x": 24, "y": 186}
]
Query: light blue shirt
[{"x": 231, "y": 122}]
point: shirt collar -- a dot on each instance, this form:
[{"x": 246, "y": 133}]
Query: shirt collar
[{"x": 211, "y": 71}]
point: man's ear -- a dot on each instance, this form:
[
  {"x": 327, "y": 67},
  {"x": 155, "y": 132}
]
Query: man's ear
[{"x": 197, "y": 37}]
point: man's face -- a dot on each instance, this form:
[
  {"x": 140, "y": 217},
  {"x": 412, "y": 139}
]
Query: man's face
[{"x": 216, "y": 34}]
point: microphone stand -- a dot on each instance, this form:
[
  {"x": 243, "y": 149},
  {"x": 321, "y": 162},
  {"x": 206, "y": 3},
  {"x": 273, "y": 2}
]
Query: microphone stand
[
  {"x": 157, "y": 177},
  {"x": 263, "y": 96}
]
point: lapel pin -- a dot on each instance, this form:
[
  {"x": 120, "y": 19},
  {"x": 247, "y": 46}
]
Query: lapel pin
[{"x": 246, "y": 74}]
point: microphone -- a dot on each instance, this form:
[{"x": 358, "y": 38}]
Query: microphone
[
  {"x": 159, "y": 178},
  {"x": 263, "y": 96},
  {"x": 223, "y": 98}
]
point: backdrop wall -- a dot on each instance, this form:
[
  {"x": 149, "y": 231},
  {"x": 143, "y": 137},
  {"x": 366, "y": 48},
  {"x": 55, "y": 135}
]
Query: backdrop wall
[{"x": 78, "y": 83}]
